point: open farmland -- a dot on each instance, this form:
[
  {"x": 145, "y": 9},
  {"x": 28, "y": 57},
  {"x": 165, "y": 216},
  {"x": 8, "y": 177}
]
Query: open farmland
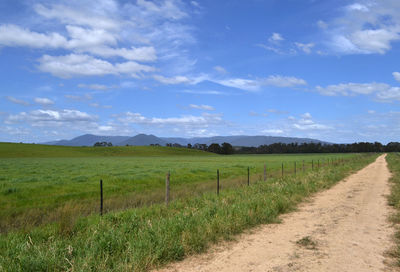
[
  {"x": 41, "y": 184},
  {"x": 150, "y": 236}
]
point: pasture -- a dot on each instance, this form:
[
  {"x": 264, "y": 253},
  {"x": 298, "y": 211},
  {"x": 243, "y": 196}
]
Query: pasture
[{"x": 42, "y": 184}]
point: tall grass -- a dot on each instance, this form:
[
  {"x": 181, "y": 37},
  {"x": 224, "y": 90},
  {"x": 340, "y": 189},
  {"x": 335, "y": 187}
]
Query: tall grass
[
  {"x": 148, "y": 237},
  {"x": 393, "y": 160}
]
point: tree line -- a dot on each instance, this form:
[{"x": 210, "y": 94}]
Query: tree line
[
  {"x": 279, "y": 148},
  {"x": 320, "y": 148}
]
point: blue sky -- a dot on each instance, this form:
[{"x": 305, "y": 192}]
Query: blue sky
[{"x": 299, "y": 68}]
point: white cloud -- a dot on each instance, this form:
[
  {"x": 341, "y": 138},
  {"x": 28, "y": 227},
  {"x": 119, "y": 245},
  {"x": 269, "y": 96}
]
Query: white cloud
[
  {"x": 365, "y": 27},
  {"x": 141, "y": 31},
  {"x": 305, "y": 47},
  {"x": 15, "y": 131},
  {"x": 257, "y": 84},
  {"x": 172, "y": 80},
  {"x": 220, "y": 69},
  {"x": 396, "y": 76},
  {"x": 277, "y": 111},
  {"x": 389, "y": 94},
  {"x": 357, "y": 7},
  {"x": 350, "y": 89},
  {"x": 82, "y": 17},
  {"x": 321, "y": 24},
  {"x": 79, "y": 97},
  {"x": 97, "y": 87},
  {"x": 305, "y": 123},
  {"x": 167, "y": 9},
  {"x": 17, "y": 101},
  {"x": 374, "y": 41},
  {"x": 43, "y": 101},
  {"x": 195, "y": 3},
  {"x": 382, "y": 91},
  {"x": 94, "y": 41},
  {"x": 283, "y": 81},
  {"x": 275, "y": 37},
  {"x": 50, "y": 117},
  {"x": 272, "y": 131},
  {"x": 12, "y": 35},
  {"x": 85, "y": 65},
  {"x": 187, "y": 121},
  {"x": 202, "y": 107},
  {"x": 205, "y": 92},
  {"x": 99, "y": 106},
  {"x": 240, "y": 83}
]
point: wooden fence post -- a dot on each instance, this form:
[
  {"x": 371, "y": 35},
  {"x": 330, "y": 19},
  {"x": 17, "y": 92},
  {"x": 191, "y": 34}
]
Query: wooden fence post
[
  {"x": 167, "y": 188},
  {"x": 265, "y": 172},
  {"x": 101, "y": 197},
  {"x": 217, "y": 181},
  {"x": 248, "y": 176}
]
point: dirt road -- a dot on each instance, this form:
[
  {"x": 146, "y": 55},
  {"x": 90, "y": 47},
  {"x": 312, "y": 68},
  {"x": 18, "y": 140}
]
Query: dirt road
[{"x": 342, "y": 229}]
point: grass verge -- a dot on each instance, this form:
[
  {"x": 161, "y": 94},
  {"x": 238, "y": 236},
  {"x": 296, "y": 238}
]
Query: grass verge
[
  {"x": 393, "y": 160},
  {"x": 148, "y": 237}
]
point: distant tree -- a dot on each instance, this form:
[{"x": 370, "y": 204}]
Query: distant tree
[
  {"x": 169, "y": 145},
  {"x": 226, "y": 149},
  {"x": 176, "y": 145},
  {"x": 203, "y": 147},
  {"x": 214, "y": 148},
  {"x": 102, "y": 144},
  {"x": 189, "y": 145}
]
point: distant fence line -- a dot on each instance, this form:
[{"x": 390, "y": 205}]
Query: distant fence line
[{"x": 329, "y": 162}]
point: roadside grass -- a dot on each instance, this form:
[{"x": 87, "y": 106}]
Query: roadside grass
[
  {"x": 46, "y": 188},
  {"x": 148, "y": 237},
  {"x": 393, "y": 160}
]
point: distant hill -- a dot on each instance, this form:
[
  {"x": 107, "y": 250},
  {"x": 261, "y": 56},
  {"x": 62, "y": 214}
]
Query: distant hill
[
  {"x": 143, "y": 140},
  {"x": 248, "y": 141},
  {"x": 90, "y": 140}
]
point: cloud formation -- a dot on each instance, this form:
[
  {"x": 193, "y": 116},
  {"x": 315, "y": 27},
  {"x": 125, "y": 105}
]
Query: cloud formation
[{"x": 365, "y": 27}]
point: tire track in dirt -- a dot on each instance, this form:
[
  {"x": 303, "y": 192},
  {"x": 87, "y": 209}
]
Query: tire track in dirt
[{"x": 345, "y": 228}]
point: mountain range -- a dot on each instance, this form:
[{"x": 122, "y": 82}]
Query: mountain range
[{"x": 144, "y": 139}]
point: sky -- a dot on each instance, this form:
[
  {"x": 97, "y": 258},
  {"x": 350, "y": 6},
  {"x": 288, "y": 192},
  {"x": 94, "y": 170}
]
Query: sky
[{"x": 322, "y": 69}]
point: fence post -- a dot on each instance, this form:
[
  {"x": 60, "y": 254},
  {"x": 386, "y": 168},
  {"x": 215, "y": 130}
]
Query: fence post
[
  {"x": 312, "y": 164},
  {"x": 248, "y": 176},
  {"x": 217, "y": 181},
  {"x": 101, "y": 197},
  {"x": 318, "y": 164},
  {"x": 265, "y": 172},
  {"x": 167, "y": 188}
]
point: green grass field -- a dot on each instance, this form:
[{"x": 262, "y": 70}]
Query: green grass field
[
  {"x": 41, "y": 184},
  {"x": 152, "y": 235}
]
